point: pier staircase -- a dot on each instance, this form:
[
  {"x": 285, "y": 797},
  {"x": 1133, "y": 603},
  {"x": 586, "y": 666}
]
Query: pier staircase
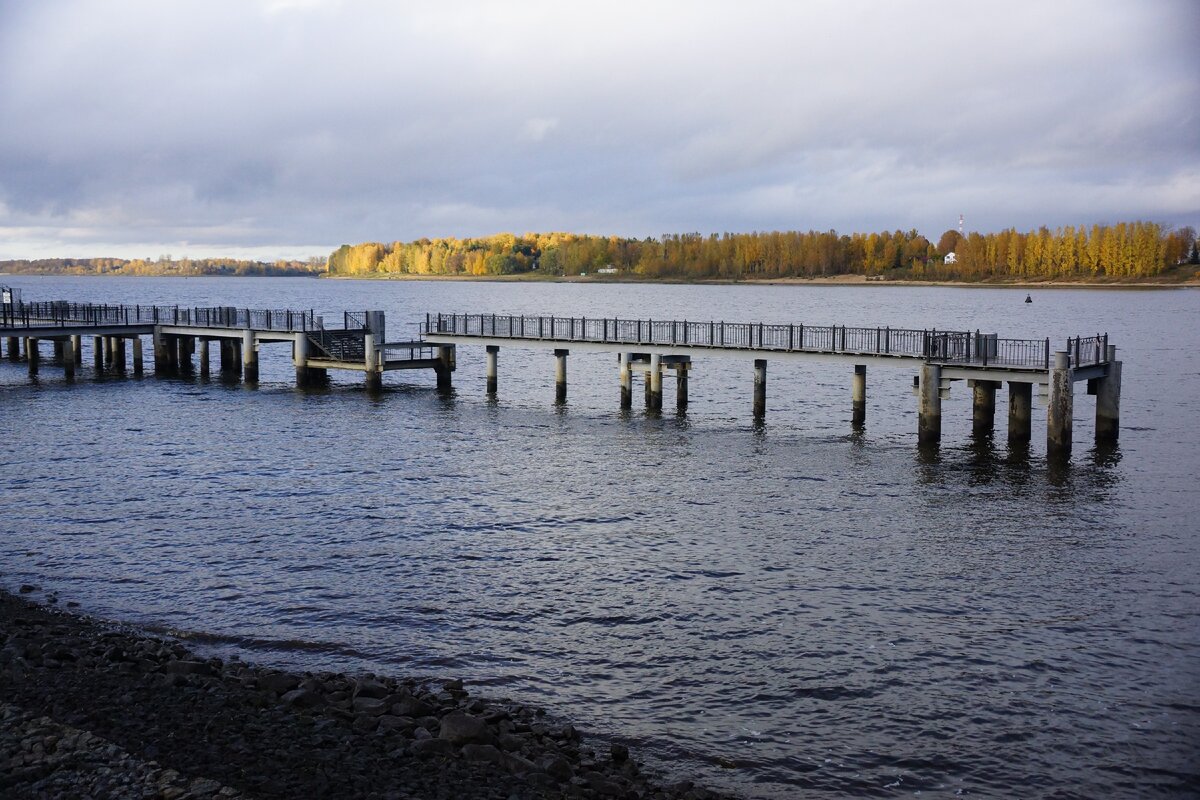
[
  {"x": 338, "y": 345},
  {"x": 347, "y": 343}
]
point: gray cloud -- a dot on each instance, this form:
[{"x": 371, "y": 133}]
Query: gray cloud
[{"x": 294, "y": 125}]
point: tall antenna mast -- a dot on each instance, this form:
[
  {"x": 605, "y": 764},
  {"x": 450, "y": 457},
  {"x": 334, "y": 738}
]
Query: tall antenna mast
[{"x": 960, "y": 224}]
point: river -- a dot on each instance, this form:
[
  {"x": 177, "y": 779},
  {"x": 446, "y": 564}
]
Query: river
[{"x": 783, "y": 609}]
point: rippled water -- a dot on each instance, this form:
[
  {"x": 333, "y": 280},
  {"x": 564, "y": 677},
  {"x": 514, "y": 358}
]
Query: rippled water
[{"x": 785, "y": 609}]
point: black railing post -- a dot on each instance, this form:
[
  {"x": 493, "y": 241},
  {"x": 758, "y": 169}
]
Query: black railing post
[
  {"x": 791, "y": 337},
  {"x": 1046, "y": 359}
]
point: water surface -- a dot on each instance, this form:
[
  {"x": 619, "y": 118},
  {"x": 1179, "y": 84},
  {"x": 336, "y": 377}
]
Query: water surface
[{"x": 789, "y": 608}]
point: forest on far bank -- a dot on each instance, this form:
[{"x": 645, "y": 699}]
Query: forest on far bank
[
  {"x": 1121, "y": 251},
  {"x": 164, "y": 265}
]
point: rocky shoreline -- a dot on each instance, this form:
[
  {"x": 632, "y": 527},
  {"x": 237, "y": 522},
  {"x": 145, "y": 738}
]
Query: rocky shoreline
[{"x": 90, "y": 709}]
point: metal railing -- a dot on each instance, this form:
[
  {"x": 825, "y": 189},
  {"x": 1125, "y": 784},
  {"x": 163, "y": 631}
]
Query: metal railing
[
  {"x": 407, "y": 351},
  {"x": 1086, "y": 351},
  {"x": 61, "y": 313},
  {"x": 955, "y": 347}
]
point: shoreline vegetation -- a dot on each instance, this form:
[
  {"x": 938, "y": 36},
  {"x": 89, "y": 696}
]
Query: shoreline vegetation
[
  {"x": 93, "y": 709},
  {"x": 1133, "y": 254}
]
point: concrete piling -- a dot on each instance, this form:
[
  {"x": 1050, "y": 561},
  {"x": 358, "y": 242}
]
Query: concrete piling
[
  {"x": 492, "y": 368},
  {"x": 1108, "y": 400},
  {"x": 445, "y": 367},
  {"x": 681, "y": 384},
  {"x": 98, "y": 353},
  {"x": 231, "y": 358},
  {"x": 59, "y": 351},
  {"x": 560, "y": 375},
  {"x": 31, "y": 353},
  {"x": 14, "y": 349},
  {"x": 983, "y": 407},
  {"x": 202, "y": 357},
  {"x": 858, "y": 396},
  {"x": 77, "y": 347},
  {"x": 626, "y": 375},
  {"x": 183, "y": 354},
  {"x": 1060, "y": 408},
  {"x": 68, "y": 358},
  {"x": 760, "y": 387},
  {"x": 138, "y": 365},
  {"x": 654, "y": 380},
  {"x": 249, "y": 357},
  {"x": 119, "y": 353},
  {"x": 299, "y": 359},
  {"x": 1020, "y": 412},
  {"x": 929, "y": 405}
]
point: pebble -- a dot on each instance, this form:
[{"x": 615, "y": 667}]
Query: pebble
[{"x": 80, "y": 699}]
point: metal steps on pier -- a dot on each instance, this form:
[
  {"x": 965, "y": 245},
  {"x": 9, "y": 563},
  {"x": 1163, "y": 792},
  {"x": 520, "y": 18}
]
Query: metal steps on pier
[{"x": 339, "y": 345}]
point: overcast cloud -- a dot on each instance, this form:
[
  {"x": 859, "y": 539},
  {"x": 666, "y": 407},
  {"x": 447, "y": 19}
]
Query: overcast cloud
[{"x": 287, "y": 127}]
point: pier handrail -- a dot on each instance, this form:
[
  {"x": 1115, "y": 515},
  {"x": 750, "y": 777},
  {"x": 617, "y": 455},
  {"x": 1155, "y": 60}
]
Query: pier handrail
[
  {"x": 62, "y": 313},
  {"x": 927, "y": 344}
]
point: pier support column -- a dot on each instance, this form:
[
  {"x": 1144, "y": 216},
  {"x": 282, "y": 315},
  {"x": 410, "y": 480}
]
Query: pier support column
[
  {"x": 929, "y": 405},
  {"x": 655, "y": 382},
  {"x": 858, "y": 396},
  {"x": 183, "y": 353},
  {"x": 107, "y": 342},
  {"x": 760, "y": 387},
  {"x": 14, "y": 349},
  {"x": 203, "y": 358},
  {"x": 560, "y": 375},
  {"x": 59, "y": 351},
  {"x": 157, "y": 346},
  {"x": 31, "y": 352},
  {"x": 493, "y": 351},
  {"x": 1020, "y": 412},
  {"x": 983, "y": 407},
  {"x": 119, "y": 353},
  {"x": 138, "y": 364},
  {"x": 373, "y": 361},
  {"x": 626, "y": 375},
  {"x": 68, "y": 358},
  {"x": 77, "y": 346},
  {"x": 249, "y": 357},
  {"x": 1108, "y": 400},
  {"x": 445, "y": 367},
  {"x": 98, "y": 353},
  {"x": 681, "y": 385},
  {"x": 1061, "y": 407},
  {"x": 299, "y": 359},
  {"x": 231, "y": 358}
]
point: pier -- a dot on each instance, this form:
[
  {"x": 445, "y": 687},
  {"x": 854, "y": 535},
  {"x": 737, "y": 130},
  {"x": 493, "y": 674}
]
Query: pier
[
  {"x": 187, "y": 340},
  {"x": 984, "y": 361}
]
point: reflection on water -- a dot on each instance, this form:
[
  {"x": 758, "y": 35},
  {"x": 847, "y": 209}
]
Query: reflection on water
[{"x": 785, "y": 605}]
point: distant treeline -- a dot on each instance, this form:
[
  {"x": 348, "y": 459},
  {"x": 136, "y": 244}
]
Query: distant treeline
[
  {"x": 164, "y": 265},
  {"x": 1134, "y": 250}
]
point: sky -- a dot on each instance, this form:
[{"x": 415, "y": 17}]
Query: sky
[{"x": 284, "y": 128}]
